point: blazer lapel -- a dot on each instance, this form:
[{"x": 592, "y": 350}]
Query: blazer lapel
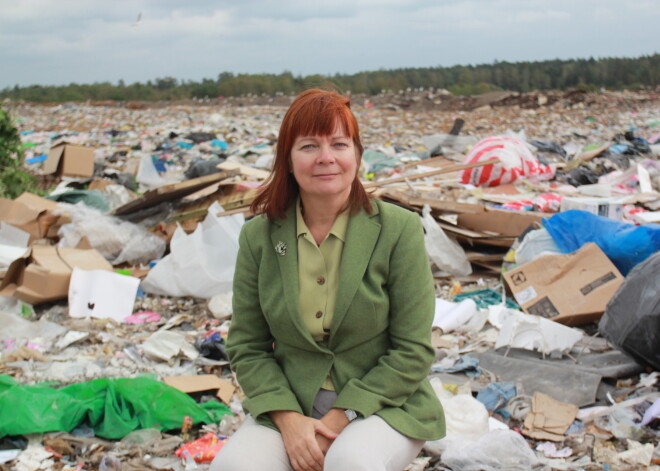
[
  {"x": 361, "y": 236},
  {"x": 285, "y": 245}
]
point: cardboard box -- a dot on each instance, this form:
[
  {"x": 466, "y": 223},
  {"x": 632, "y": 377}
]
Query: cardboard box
[
  {"x": 608, "y": 207},
  {"x": 571, "y": 288},
  {"x": 31, "y": 213},
  {"x": 200, "y": 383},
  {"x": 44, "y": 273},
  {"x": 70, "y": 160}
]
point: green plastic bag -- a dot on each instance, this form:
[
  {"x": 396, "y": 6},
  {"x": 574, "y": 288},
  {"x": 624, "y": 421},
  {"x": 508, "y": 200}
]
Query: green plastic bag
[
  {"x": 112, "y": 407},
  {"x": 92, "y": 198}
]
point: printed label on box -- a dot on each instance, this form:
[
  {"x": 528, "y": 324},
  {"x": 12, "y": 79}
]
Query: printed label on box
[
  {"x": 543, "y": 308},
  {"x": 585, "y": 290},
  {"x": 518, "y": 278},
  {"x": 526, "y": 295}
]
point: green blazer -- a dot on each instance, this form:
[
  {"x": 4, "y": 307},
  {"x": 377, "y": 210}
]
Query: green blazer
[{"x": 379, "y": 350}]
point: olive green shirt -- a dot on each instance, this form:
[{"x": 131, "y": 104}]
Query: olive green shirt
[{"x": 318, "y": 276}]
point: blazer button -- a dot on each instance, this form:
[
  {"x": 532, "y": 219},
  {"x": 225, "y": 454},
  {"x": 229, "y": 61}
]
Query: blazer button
[
  {"x": 320, "y": 280},
  {"x": 319, "y": 314}
]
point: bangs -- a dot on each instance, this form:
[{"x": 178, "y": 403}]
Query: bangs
[{"x": 323, "y": 118}]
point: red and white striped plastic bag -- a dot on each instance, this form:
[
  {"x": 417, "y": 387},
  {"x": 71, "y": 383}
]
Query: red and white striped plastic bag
[{"x": 516, "y": 161}]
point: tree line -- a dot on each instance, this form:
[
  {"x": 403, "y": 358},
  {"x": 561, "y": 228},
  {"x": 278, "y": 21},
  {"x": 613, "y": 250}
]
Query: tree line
[{"x": 585, "y": 74}]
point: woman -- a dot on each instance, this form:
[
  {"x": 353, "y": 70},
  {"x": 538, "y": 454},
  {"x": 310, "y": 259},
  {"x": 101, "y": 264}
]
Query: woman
[{"x": 333, "y": 303}]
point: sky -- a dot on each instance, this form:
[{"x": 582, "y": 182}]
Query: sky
[{"x": 57, "y": 42}]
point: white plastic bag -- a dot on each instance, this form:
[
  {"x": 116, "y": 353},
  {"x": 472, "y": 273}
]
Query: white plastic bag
[
  {"x": 147, "y": 175},
  {"x": 515, "y": 161},
  {"x": 465, "y": 418},
  {"x": 444, "y": 252},
  {"x": 200, "y": 264},
  {"x": 493, "y": 451}
]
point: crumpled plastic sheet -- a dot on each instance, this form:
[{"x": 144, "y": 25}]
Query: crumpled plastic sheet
[
  {"x": 204, "y": 449},
  {"x": 625, "y": 244},
  {"x": 112, "y": 406},
  {"x": 445, "y": 252},
  {"x": 465, "y": 364},
  {"x": 493, "y": 451},
  {"x": 117, "y": 240},
  {"x": 495, "y": 395},
  {"x": 632, "y": 317},
  {"x": 516, "y": 161},
  {"x": 652, "y": 413},
  {"x": 200, "y": 264}
]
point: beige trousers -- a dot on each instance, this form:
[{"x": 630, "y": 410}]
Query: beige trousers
[{"x": 364, "y": 445}]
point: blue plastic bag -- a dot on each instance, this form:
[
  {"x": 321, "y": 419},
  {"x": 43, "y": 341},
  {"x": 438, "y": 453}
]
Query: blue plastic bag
[{"x": 625, "y": 244}]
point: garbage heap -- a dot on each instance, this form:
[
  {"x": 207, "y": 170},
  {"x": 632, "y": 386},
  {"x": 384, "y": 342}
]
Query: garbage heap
[{"x": 541, "y": 214}]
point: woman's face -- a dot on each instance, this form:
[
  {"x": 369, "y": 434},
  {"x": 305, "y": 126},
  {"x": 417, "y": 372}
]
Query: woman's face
[{"x": 324, "y": 165}]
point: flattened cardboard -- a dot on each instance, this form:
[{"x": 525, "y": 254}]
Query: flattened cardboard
[
  {"x": 44, "y": 274},
  {"x": 191, "y": 384},
  {"x": 572, "y": 289},
  {"x": 499, "y": 221},
  {"x": 477, "y": 237},
  {"x": 31, "y": 213},
  {"x": 70, "y": 160},
  {"x": 549, "y": 419}
]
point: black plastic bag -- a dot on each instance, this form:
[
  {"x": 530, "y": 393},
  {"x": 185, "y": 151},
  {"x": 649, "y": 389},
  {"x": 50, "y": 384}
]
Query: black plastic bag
[{"x": 632, "y": 317}]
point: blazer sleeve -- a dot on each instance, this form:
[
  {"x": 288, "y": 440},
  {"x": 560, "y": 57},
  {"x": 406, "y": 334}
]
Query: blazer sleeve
[
  {"x": 250, "y": 343},
  {"x": 400, "y": 370}
]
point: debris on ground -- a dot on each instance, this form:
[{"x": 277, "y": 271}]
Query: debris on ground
[{"x": 542, "y": 219}]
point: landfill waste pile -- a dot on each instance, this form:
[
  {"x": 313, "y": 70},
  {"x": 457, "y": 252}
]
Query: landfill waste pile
[{"x": 541, "y": 214}]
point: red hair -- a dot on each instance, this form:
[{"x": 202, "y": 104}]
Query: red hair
[{"x": 313, "y": 113}]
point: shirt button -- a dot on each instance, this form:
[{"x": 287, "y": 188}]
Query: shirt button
[
  {"x": 319, "y": 314},
  {"x": 320, "y": 280}
]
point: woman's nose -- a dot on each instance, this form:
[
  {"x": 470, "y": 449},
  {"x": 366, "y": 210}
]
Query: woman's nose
[{"x": 326, "y": 155}]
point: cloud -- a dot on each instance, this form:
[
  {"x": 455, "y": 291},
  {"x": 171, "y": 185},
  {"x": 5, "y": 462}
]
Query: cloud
[{"x": 192, "y": 40}]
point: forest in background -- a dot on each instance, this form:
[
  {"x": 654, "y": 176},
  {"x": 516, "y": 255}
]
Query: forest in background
[{"x": 582, "y": 74}]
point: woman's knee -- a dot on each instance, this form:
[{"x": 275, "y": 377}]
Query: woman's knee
[
  {"x": 247, "y": 461},
  {"x": 252, "y": 448},
  {"x": 342, "y": 459}
]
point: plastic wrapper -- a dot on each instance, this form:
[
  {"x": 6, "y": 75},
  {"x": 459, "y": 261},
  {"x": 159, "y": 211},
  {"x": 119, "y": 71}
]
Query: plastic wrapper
[
  {"x": 117, "y": 240},
  {"x": 625, "y": 244},
  {"x": 632, "y": 317},
  {"x": 444, "y": 252},
  {"x": 516, "y": 161},
  {"x": 204, "y": 449},
  {"x": 112, "y": 407},
  {"x": 548, "y": 202}
]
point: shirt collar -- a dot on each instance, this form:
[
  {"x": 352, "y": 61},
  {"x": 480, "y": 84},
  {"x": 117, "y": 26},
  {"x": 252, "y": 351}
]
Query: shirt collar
[{"x": 338, "y": 228}]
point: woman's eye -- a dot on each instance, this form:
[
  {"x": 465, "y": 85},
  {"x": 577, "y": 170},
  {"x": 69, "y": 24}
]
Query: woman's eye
[
  {"x": 341, "y": 144},
  {"x": 307, "y": 146}
]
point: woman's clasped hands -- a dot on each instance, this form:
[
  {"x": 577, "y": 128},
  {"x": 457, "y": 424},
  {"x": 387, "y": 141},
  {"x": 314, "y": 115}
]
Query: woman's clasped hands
[{"x": 307, "y": 439}]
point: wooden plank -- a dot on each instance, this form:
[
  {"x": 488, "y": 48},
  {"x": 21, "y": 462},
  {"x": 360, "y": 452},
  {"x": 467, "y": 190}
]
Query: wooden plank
[
  {"x": 447, "y": 169},
  {"x": 434, "y": 203},
  {"x": 246, "y": 212},
  {"x": 434, "y": 161},
  {"x": 474, "y": 257},
  {"x": 169, "y": 192}
]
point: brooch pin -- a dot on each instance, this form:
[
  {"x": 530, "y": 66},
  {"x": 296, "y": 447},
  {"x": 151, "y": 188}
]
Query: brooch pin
[{"x": 280, "y": 248}]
